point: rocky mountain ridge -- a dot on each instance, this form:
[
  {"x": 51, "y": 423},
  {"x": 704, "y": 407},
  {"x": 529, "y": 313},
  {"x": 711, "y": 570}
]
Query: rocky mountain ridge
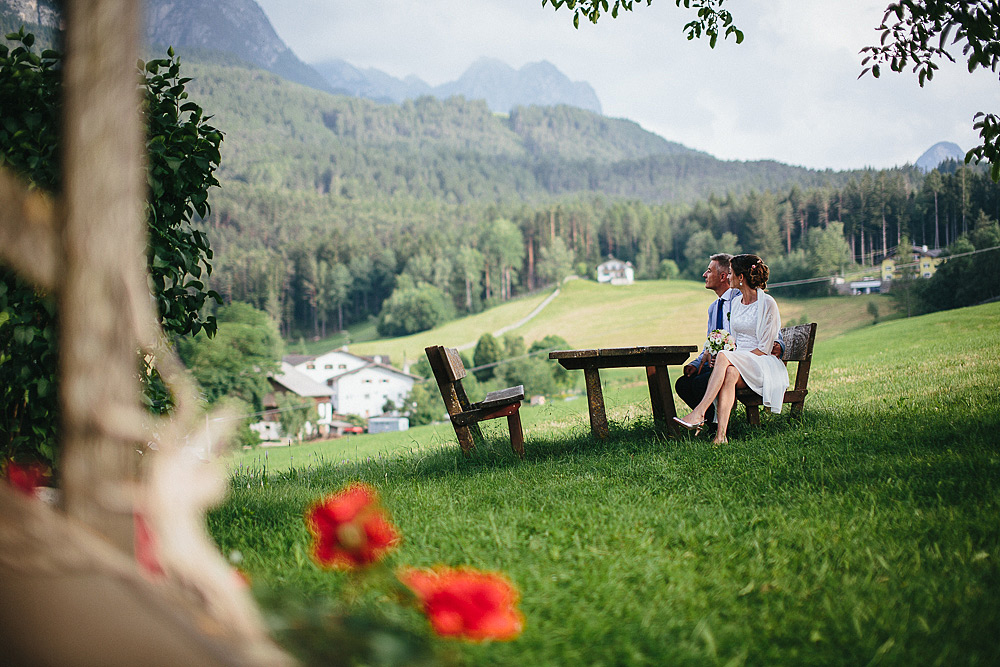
[{"x": 489, "y": 79}]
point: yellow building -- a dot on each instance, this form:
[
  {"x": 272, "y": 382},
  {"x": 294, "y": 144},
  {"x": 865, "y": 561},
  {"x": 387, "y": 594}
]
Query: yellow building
[{"x": 923, "y": 261}]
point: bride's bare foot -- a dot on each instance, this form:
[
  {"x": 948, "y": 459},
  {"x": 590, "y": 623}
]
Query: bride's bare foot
[{"x": 723, "y": 441}]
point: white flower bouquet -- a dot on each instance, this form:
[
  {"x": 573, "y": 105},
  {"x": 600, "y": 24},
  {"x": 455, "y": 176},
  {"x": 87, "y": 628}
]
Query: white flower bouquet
[{"x": 719, "y": 340}]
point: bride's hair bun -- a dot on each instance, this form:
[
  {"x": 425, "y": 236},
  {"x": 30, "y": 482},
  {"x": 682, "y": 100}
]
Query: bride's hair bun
[
  {"x": 752, "y": 268},
  {"x": 759, "y": 274}
]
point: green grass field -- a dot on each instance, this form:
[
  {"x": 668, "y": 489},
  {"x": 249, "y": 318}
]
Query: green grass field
[
  {"x": 591, "y": 315},
  {"x": 868, "y": 532}
]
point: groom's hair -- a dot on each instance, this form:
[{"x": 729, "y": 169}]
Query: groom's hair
[{"x": 723, "y": 260}]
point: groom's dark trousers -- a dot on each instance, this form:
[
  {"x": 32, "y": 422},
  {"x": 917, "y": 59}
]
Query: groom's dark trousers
[{"x": 691, "y": 389}]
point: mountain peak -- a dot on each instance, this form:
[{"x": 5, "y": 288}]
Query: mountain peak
[{"x": 938, "y": 153}]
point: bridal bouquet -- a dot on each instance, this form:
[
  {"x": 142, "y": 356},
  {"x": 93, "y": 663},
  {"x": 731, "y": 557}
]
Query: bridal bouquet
[{"x": 718, "y": 340}]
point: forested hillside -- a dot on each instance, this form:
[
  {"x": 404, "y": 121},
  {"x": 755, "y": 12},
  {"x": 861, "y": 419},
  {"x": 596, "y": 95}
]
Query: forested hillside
[
  {"x": 288, "y": 137},
  {"x": 329, "y": 205}
]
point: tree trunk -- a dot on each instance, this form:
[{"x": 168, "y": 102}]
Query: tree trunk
[
  {"x": 531, "y": 262},
  {"x": 937, "y": 231},
  {"x": 103, "y": 236}
]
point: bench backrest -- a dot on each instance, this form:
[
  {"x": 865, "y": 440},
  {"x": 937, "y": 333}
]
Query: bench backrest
[
  {"x": 448, "y": 369},
  {"x": 798, "y": 341}
]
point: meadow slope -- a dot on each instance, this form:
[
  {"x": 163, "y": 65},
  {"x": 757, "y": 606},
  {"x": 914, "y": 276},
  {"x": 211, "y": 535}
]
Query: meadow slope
[
  {"x": 865, "y": 533},
  {"x": 648, "y": 312}
]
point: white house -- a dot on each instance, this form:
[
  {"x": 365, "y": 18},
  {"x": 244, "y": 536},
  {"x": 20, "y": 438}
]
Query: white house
[
  {"x": 616, "y": 272},
  {"x": 359, "y": 385},
  {"x": 291, "y": 381}
]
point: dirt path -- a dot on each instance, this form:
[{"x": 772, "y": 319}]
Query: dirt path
[{"x": 502, "y": 330}]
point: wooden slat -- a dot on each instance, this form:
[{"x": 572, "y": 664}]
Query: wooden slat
[
  {"x": 502, "y": 396},
  {"x": 572, "y": 354},
  {"x": 637, "y": 360},
  {"x": 747, "y": 397},
  {"x": 453, "y": 364},
  {"x": 646, "y": 349},
  {"x": 624, "y": 357}
]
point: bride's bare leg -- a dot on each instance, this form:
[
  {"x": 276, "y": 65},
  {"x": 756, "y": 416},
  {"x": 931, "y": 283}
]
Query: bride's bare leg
[
  {"x": 727, "y": 398},
  {"x": 697, "y": 414}
]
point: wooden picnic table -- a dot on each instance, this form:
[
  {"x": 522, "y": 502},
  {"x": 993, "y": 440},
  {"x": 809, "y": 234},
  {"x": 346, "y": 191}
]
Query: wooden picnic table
[{"x": 655, "y": 358}]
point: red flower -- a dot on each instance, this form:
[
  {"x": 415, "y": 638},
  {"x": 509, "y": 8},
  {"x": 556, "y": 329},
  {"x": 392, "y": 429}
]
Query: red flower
[
  {"x": 467, "y": 603},
  {"x": 350, "y": 529},
  {"x": 26, "y": 478}
]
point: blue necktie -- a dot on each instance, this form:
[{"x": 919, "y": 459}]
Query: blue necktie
[{"x": 718, "y": 313}]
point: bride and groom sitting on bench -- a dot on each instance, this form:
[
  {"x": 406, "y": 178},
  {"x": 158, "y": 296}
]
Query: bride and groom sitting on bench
[{"x": 709, "y": 384}]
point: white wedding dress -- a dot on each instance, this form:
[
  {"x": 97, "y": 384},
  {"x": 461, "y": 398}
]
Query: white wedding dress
[{"x": 756, "y": 327}]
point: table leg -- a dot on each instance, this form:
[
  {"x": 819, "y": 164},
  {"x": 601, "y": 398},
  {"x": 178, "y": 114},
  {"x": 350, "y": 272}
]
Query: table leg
[
  {"x": 661, "y": 397},
  {"x": 595, "y": 401}
]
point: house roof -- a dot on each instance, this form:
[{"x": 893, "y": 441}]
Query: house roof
[
  {"x": 372, "y": 364},
  {"x": 299, "y": 384},
  {"x": 296, "y": 359}
]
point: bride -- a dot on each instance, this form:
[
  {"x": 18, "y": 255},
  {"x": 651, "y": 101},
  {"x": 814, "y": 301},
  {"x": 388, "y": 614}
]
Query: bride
[{"x": 755, "y": 324}]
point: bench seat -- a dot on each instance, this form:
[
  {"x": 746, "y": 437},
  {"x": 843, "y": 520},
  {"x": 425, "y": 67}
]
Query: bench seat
[{"x": 798, "y": 342}]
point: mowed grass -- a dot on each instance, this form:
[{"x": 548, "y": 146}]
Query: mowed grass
[
  {"x": 588, "y": 314},
  {"x": 867, "y": 532}
]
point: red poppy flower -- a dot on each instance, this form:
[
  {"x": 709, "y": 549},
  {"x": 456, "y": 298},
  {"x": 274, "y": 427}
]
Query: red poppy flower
[
  {"x": 350, "y": 528},
  {"x": 26, "y": 478},
  {"x": 467, "y": 603}
]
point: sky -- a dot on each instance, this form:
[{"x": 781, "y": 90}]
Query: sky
[{"x": 790, "y": 92}]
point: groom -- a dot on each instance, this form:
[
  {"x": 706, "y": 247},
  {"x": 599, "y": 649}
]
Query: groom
[{"x": 692, "y": 384}]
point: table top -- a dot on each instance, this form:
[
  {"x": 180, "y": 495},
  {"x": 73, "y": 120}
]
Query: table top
[{"x": 615, "y": 357}]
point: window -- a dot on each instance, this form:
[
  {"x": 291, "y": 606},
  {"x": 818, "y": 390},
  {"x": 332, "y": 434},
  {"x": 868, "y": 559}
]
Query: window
[
  {"x": 342, "y": 367},
  {"x": 368, "y": 381},
  {"x": 311, "y": 366},
  {"x": 328, "y": 366},
  {"x": 385, "y": 380}
]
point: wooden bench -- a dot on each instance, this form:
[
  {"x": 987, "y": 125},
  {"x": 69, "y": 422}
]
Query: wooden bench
[
  {"x": 798, "y": 342},
  {"x": 465, "y": 417}
]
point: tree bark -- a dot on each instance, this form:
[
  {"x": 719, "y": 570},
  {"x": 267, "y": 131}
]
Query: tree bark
[{"x": 104, "y": 262}]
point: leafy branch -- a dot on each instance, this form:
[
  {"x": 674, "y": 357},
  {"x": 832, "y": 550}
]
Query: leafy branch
[
  {"x": 917, "y": 34},
  {"x": 712, "y": 19}
]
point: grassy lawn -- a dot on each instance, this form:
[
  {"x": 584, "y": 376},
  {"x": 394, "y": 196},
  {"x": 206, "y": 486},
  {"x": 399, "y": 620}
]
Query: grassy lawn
[{"x": 866, "y": 533}]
